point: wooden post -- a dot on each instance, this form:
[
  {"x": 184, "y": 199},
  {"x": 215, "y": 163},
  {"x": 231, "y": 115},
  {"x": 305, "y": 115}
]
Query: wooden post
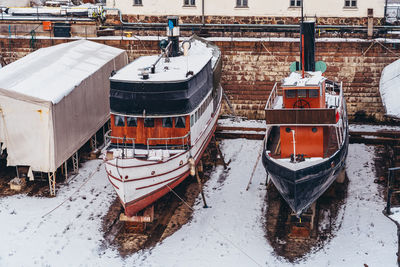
[
  {"x": 220, "y": 153},
  {"x": 66, "y": 169},
  {"x": 52, "y": 183},
  {"x": 201, "y": 188}
]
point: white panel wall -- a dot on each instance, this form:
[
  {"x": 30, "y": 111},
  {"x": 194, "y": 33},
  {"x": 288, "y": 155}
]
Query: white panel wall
[{"x": 320, "y": 8}]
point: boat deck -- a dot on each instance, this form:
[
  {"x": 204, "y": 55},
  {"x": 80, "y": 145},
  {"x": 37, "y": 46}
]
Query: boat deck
[{"x": 330, "y": 142}]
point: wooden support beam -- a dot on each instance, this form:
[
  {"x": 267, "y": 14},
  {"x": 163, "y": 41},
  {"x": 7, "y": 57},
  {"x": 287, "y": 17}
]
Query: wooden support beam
[
  {"x": 201, "y": 188},
  {"x": 75, "y": 162},
  {"x": 52, "y": 183},
  {"x": 148, "y": 216}
]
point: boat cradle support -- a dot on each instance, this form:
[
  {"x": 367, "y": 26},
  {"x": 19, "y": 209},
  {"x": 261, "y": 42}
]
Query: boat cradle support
[{"x": 147, "y": 217}]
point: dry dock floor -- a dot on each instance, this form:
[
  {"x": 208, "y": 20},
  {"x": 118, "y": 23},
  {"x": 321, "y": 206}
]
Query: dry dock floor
[{"x": 83, "y": 230}]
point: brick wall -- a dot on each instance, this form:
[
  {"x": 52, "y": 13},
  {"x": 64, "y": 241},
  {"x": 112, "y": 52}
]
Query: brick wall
[{"x": 250, "y": 69}]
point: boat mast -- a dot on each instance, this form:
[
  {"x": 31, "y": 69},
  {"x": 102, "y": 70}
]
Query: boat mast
[{"x": 302, "y": 41}]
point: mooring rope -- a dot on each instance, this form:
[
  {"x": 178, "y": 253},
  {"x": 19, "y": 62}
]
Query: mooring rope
[{"x": 76, "y": 191}]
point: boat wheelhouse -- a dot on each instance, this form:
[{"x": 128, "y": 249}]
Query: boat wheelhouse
[
  {"x": 164, "y": 111},
  {"x": 307, "y": 132}
]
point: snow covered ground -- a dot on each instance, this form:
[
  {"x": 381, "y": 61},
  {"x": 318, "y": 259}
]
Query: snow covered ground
[{"x": 230, "y": 233}]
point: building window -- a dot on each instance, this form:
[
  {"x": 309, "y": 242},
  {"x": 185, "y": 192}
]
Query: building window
[
  {"x": 119, "y": 121},
  {"x": 295, "y": 3},
  {"x": 350, "y": 3},
  {"x": 189, "y": 2},
  {"x": 131, "y": 121},
  {"x": 167, "y": 122},
  {"x": 180, "y": 122},
  {"x": 137, "y": 2},
  {"x": 149, "y": 122},
  {"x": 241, "y": 3}
]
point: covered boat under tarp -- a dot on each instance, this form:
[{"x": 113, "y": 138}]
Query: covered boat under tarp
[
  {"x": 389, "y": 88},
  {"x": 54, "y": 100}
]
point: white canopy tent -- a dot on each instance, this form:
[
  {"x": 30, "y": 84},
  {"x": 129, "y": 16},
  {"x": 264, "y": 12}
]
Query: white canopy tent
[
  {"x": 389, "y": 87},
  {"x": 54, "y": 100}
]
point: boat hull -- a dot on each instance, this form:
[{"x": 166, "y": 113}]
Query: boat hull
[
  {"x": 300, "y": 188},
  {"x": 139, "y": 183}
]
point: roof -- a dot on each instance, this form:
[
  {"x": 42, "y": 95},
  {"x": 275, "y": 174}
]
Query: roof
[
  {"x": 310, "y": 79},
  {"x": 52, "y": 73},
  {"x": 389, "y": 87},
  {"x": 175, "y": 70}
]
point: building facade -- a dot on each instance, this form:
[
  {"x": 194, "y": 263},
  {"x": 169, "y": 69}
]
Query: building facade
[{"x": 251, "y": 8}]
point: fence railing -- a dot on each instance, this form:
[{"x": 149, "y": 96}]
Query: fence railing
[
  {"x": 167, "y": 144},
  {"x": 272, "y": 97},
  {"x": 123, "y": 143},
  {"x": 128, "y": 145}
]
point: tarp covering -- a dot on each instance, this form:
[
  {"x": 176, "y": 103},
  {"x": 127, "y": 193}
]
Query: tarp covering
[
  {"x": 53, "y": 100},
  {"x": 389, "y": 87},
  {"x": 14, "y": 3}
]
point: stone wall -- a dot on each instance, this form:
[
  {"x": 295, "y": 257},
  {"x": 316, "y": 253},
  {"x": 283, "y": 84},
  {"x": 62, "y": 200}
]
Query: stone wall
[{"x": 250, "y": 68}]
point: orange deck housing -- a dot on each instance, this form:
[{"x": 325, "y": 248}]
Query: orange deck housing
[
  {"x": 141, "y": 133},
  {"x": 309, "y": 143},
  {"x": 309, "y": 139}
]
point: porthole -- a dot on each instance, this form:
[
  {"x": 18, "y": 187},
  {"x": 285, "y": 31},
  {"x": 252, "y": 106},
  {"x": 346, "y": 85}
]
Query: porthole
[
  {"x": 288, "y": 130},
  {"x": 314, "y": 129}
]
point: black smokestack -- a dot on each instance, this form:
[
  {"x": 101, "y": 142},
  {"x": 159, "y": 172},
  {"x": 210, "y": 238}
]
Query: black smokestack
[{"x": 308, "y": 30}]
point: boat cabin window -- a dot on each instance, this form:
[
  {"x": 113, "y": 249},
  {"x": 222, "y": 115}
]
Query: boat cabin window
[
  {"x": 131, "y": 121},
  {"x": 180, "y": 122},
  {"x": 302, "y": 93},
  {"x": 167, "y": 122},
  {"x": 119, "y": 121},
  {"x": 191, "y": 120},
  {"x": 290, "y": 93},
  {"x": 149, "y": 122},
  {"x": 196, "y": 116},
  {"x": 313, "y": 93}
]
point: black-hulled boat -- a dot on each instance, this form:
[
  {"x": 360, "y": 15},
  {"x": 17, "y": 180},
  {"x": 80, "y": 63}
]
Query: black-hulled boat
[{"x": 306, "y": 141}]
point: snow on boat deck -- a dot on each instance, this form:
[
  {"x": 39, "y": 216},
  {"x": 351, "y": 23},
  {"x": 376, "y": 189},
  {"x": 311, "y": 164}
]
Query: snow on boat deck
[
  {"x": 175, "y": 70},
  {"x": 230, "y": 233}
]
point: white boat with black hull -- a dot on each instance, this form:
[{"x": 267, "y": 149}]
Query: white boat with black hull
[{"x": 164, "y": 111}]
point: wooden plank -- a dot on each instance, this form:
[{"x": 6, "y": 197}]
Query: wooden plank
[{"x": 300, "y": 116}]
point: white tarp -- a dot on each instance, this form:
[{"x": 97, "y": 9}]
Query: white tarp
[
  {"x": 53, "y": 100},
  {"x": 15, "y": 3},
  {"x": 389, "y": 87}
]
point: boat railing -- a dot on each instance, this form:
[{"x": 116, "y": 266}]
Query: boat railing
[
  {"x": 167, "y": 143},
  {"x": 341, "y": 124},
  {"x": 123, "y": 143},
  {"x": 272, "y": 97}
]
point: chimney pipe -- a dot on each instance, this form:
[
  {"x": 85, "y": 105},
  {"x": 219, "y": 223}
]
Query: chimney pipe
[
  {"x": 173, "y": 35},
  {"x": 307, "y": 29}
]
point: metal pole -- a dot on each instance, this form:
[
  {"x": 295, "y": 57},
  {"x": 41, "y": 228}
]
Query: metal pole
[
  {"x": 202, "y": 12},
  {"x": 389, "y": 194},
  {"x": 386, "y": 3}
]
